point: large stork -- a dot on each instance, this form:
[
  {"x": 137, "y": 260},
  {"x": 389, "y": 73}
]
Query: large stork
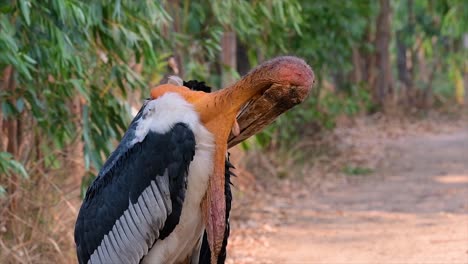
[{"x": 163, "y": 196}]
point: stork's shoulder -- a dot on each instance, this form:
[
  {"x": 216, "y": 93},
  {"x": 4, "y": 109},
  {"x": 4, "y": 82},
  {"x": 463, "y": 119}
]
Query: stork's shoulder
[{"x": 158, "y": 116}]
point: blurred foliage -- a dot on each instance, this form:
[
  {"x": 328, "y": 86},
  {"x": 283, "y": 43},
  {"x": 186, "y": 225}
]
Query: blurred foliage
[
  {"x": 198, "y": 27},
  {"x": 333, "y": 28},
  {"x": 66, "y": 50},
  {"x": 435, "y": 32},
  {"x": 63, "y": 50}
]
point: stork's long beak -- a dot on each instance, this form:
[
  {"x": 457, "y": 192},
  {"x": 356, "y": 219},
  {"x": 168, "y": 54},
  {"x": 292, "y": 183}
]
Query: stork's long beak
[
  {"x": 239, "y": 111},
  {"x": 284, "y": 82}
]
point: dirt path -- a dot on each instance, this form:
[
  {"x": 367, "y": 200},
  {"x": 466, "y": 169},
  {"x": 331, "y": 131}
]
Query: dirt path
[{"x": 412, "y": 210}]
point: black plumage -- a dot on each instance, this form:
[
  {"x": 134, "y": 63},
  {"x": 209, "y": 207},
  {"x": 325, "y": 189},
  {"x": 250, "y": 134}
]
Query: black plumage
[{"x": 197, "y": 86}]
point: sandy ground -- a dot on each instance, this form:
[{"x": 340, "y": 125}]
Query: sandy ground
[{"x": 412, "y": 209}]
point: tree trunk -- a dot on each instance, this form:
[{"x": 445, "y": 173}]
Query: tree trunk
[
  {"x": 368, "y": 70},
  {"x": 411, "y": 32},
  {"x": 10, "y": 124},
  {"x": 383, "y": 85},
  {"x": 465, "y": 66},
  {"x": 228, "y": 57},
  {"x": 243, "y": 64},
  {"x": 3, "y": 133},
  {"x": 174, "y": 8},
  {"x": 74, "y": 152},
  {"x": 402, "y": 67},
  {"x": 356, "y": 75},
  {"x": 11, "y": 127}
]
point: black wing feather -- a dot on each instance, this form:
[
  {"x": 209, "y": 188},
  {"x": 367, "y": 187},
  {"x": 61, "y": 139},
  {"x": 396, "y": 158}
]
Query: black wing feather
[{"x": 123, "y": 178}]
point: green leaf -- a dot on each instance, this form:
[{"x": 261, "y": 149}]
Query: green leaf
[
  {"x": 79, "y": 86},
  {"x": 25, "y": 12},
  {"x": 145, "y": 36},
  {"x": 8, "y": 165},
  {"x": 28, "y": 59},
  {"x": 19, "y": 168}
]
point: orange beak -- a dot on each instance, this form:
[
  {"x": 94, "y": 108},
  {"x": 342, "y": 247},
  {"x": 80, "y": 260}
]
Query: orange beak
[{"x": 236, "y": 113}]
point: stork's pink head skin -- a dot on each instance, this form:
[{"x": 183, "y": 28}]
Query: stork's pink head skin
[{"x": 237, "y": 112}]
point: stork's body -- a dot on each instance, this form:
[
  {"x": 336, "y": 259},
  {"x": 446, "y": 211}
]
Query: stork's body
[
  {"x": 172, "y": 155},
  {"x": 163, "y": 196}
]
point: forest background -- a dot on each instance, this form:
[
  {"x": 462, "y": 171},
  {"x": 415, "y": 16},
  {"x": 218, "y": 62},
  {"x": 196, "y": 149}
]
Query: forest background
[{"x": 72, "y": 71}]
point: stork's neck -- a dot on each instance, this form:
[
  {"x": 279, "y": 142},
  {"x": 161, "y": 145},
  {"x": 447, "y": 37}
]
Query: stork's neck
[{"x": 227, "y": 102}]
